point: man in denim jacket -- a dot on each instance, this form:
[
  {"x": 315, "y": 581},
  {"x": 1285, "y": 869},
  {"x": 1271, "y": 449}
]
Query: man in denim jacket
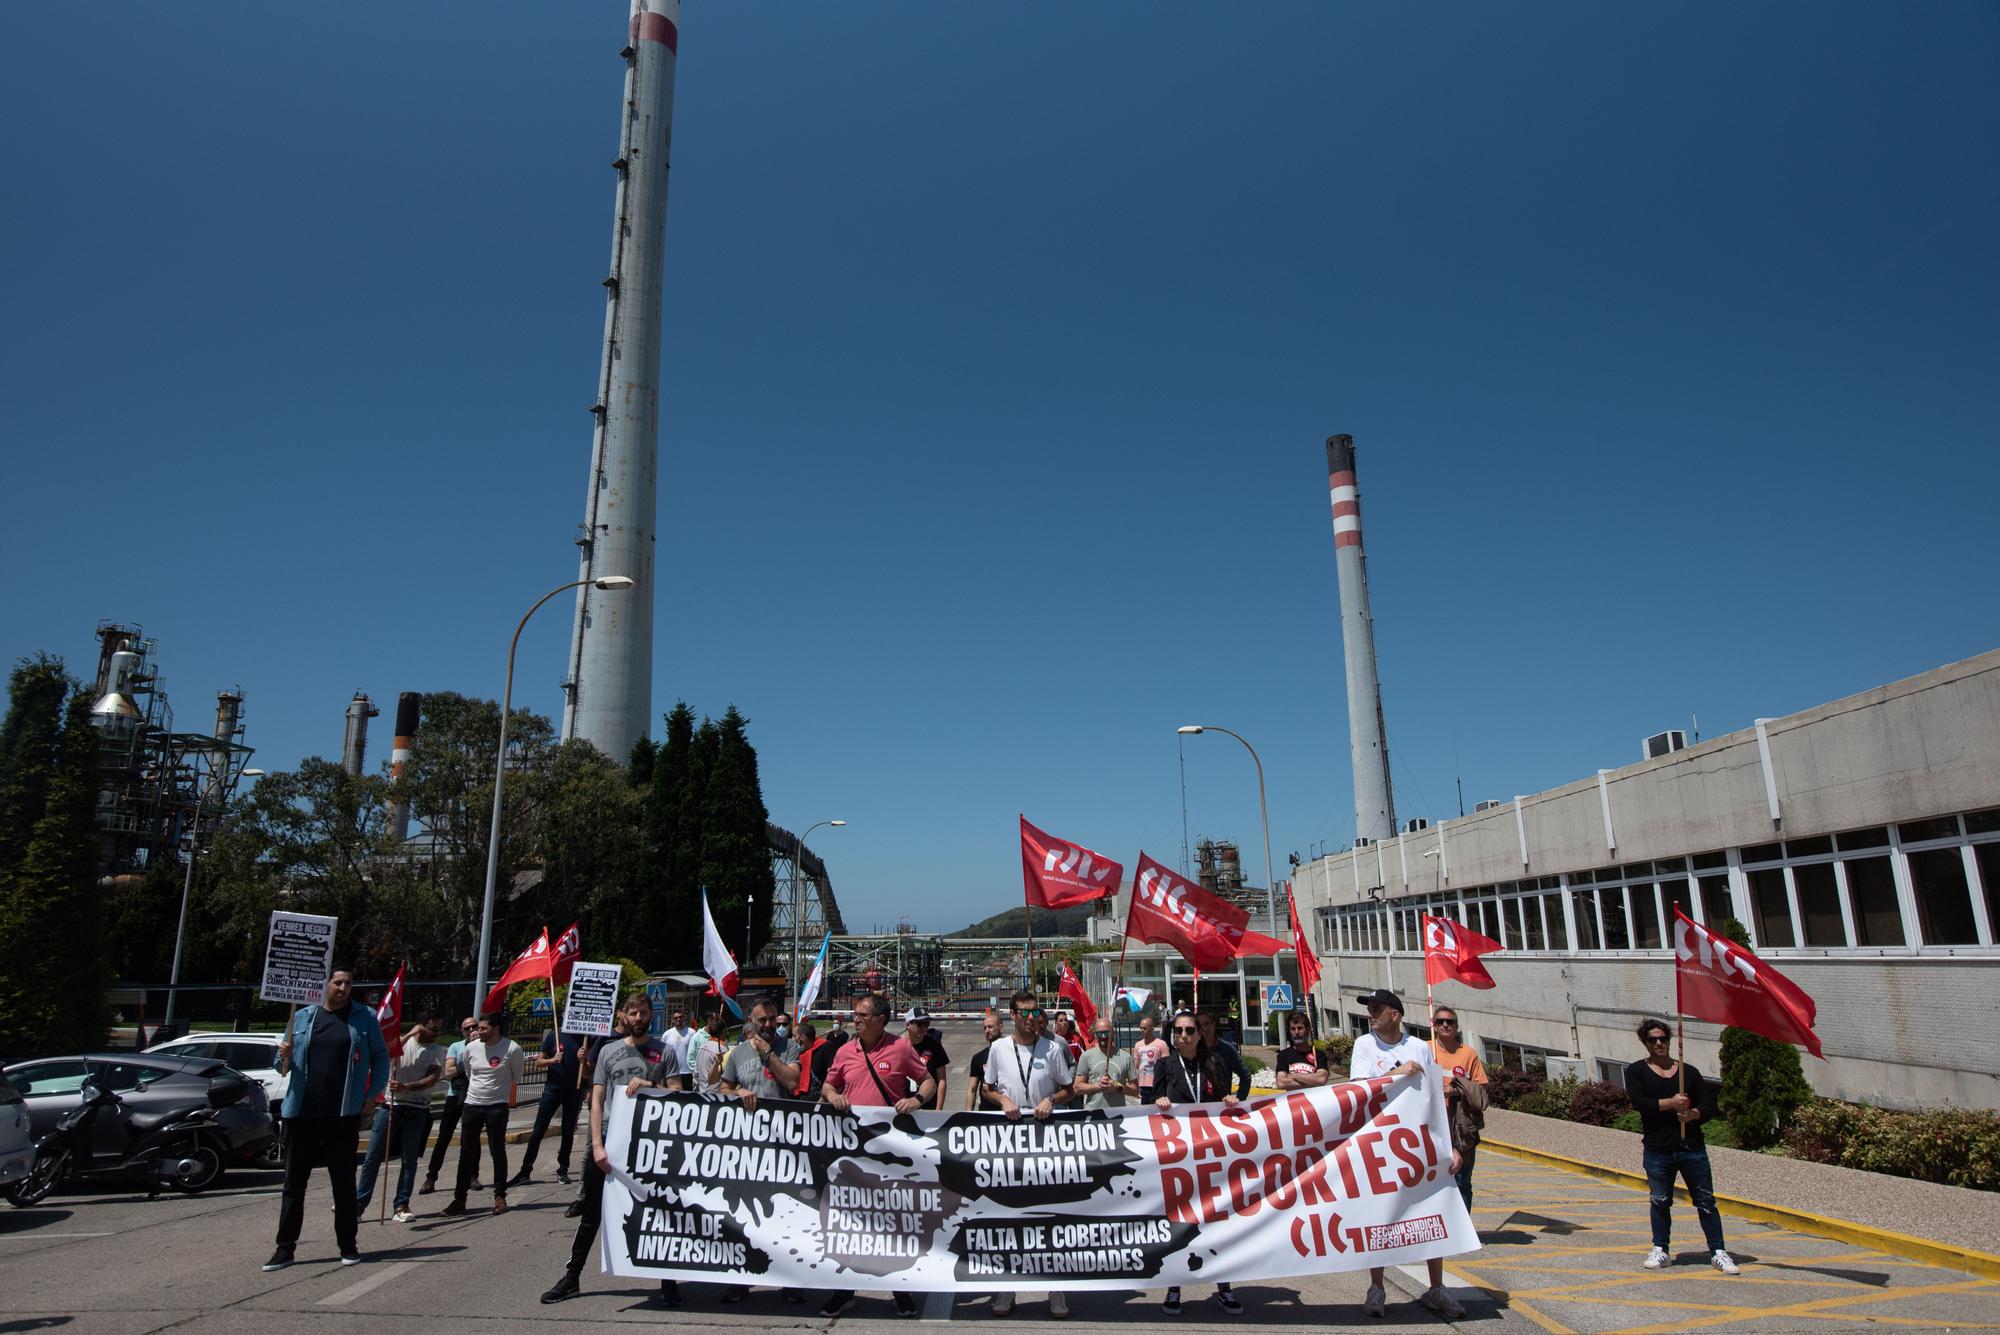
[{"x": 335, "y": 1054}]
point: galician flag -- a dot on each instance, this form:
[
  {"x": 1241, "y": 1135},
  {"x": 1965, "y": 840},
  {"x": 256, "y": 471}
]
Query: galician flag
[
  {"x": 810, "y": 992},
  {"x": 716, "y": 960}
]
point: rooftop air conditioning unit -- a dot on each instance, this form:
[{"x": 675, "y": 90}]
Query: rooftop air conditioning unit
[
  {"x": 1416, "y": 823},
  {"x": 1487, "y": 805},
  {"x": 1664, "y": 743}
]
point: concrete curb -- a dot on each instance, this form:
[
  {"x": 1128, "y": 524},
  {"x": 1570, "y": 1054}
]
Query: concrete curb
[{"x": 1983, "y": 1264}]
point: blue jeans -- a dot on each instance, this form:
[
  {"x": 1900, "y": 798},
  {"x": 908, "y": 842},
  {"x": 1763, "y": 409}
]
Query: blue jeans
[
  {"x": 1691, "y": 1164},
  {"x": 413, "y": 1125},
  {"x": 1463, "y": 1177}
]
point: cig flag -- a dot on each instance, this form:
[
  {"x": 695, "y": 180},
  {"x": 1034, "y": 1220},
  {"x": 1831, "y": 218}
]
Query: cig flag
[
  {"x": 1207, "y": 930},
  {"x": 534, "y": 962},
  {"x": 569, "y": 948},
  {"x": 1070, "y": 988},
  {"x": 1452, "y": 951},
  {"x": 389, "y": 1015},
  {"x": 1308, "y": 962},
  {"x": 1056, "y": 873},
  {"x": 1719, "y": 981}
]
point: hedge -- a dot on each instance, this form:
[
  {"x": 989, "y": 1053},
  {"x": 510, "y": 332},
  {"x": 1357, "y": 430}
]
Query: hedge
[{"x": 1959, "y": 1147}]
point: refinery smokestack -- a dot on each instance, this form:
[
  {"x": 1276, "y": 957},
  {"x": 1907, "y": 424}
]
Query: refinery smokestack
[
  {"x": 1374, "y": 805},
  {"x": 610, "y": 682},
  {"x": 354, "y": 745},
  {"x": 409, "y": 707}
]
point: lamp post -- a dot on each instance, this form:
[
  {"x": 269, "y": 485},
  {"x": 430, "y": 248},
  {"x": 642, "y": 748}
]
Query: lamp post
[
  {"x": 1264, "y": 811},
  {"x": 607, "y": 582},
  {"x": 187, "y": 889},
  {"x": 749, "y": 912},
  {"x": 798, "y": 900}
]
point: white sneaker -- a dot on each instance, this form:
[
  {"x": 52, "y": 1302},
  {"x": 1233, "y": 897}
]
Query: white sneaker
[
  {"x": 1003, "y": 1304},
  {"x": 1058, "y": 1305},
  {"x": 1376, "y": 1302},
  {"x": 1724, "y": 1262},
  {"x": 404, "y": 1216},
  {"x": 1442, "y": 1303},
  {"x": 1658, "y": 1259}
]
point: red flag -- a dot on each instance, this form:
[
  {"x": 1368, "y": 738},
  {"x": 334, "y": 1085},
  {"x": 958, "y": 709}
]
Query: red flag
[
  {"x": 1719, "y": 981},
  {"x": 1056, "y": 873},
  {"x": 389, "y": 1015},
  {"x": 569, "y": 948},
  {"x": 1452, "y": 951},
  {"x": 1308, "y": 962},
  {"x": 1208, "y": 931},
  {"x": 537, "y": 961},
  {"x": 1071, "y": 989}
]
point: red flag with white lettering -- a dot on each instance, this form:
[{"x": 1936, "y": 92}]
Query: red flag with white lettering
[
  {"x": 1207, "y": 930},
  {"x": 569, "y": 948},
  {"x": 1056, "y": 873},
  {"x": 1070, "y": 988},
  {"x": 1452, "y": 951},
  {"x": 1719, "y": 981},
  {"x": 537, "y": 961},
  {"x": 1308, "y": 962}
]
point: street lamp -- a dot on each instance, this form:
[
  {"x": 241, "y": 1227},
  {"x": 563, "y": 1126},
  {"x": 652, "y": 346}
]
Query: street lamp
[
  {"x": 607, "y": 582},
  {"x": 798, "y": 874},
  {"x": 187, "y": 888},
  {"x": 749, "y": 912},
  {"x": 1263, "y": 810}
]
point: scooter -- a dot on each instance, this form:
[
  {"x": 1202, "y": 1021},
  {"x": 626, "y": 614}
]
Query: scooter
[{"x": 179, "y": 1148}]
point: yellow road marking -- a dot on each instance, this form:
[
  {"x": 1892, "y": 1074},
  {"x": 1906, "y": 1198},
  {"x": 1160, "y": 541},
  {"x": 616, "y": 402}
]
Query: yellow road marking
[
  {"x": 1513, "y": 1302},
  {"x": 1823, "y": 1308}
]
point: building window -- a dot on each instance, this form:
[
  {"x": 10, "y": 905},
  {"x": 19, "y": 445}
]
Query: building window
[
  {"x": 1612, "y": 1071},
  {"x": 1988, "y": 858},
  {"x": 1531, "y": 922},
  {"x": 1871, "y": 893},
  {"x": 1716, "y": 902},
  {"x": 1944, "y": 901},
  {"x": 1645, "y": 917},
  {"x": 1518, "y": 1056},
  {"x": 1552, "y": 908},
  {"x": 1586, "y": 918},
  {"x": 1819, "y": 905},
  {"x": 1923, "y": 831},
  {"x": 1773, "y": 908},
  {"x": 1511, "y": 913},
  {"x": 1877, "y": 837},
  {"x": 1678, "y": 896},
  {"x": 1617, "y": 933}
]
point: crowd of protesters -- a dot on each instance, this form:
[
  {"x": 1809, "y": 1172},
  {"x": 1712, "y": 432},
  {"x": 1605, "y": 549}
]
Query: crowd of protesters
[{"x": 1029, "y": 1063}]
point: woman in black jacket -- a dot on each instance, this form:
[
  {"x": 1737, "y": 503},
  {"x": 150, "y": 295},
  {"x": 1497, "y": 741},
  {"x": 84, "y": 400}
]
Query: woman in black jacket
[{"x": 1191, "y": 1073}]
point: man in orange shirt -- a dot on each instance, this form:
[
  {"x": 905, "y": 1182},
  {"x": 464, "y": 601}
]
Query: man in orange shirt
[{"x": 1463, "y": 1071}]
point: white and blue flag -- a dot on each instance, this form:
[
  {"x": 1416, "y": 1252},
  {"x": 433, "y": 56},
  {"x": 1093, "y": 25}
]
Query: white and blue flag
[{"x": 810, "y": 992}]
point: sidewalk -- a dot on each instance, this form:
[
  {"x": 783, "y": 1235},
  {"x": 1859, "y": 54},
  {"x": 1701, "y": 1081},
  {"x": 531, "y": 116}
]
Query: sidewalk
[{"x": 1934, "y": 1223}]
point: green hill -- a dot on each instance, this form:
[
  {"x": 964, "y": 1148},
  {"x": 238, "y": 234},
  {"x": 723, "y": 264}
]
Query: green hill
[{"x": 1048, "y": 922}]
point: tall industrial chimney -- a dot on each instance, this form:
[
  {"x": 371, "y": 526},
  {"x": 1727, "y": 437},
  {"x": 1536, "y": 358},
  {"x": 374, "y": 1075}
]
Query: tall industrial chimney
[
  {"x": 409, "y": 708},
  {"x": 610, "y": 682},
  {"x": 228, "y": 723},
  {"x": 354, "y": 746},
  {"x": 1374, "y": 804}
]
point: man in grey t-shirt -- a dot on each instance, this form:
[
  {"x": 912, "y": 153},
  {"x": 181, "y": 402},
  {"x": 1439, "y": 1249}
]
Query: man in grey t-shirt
[
  {"x": 759, "y": 1067},
  {"x": 1103, "y": 1073}
]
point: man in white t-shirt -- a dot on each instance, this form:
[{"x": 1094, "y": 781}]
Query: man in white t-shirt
[
  {"x": 1028, "y": 1069},
  {"x": 1388, "y": 1049},
  {"x": 493, "y": 1066},
  {"x": 677, "y": 1036}
]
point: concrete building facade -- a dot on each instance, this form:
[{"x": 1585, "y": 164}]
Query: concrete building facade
[{"x": 1859, "y": 843}]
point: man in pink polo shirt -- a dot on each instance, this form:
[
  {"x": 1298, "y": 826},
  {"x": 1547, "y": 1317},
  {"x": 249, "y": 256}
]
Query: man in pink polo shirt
[{"x": 875, "y": 1070}]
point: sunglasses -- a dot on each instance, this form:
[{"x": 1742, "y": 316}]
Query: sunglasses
[
  {"x": 1181, "y": 1029},
  {"x": 1445, "y": 1024},
  {"x": 1659, "y": 1038},
  {"x": 1035, "y": 1014}
]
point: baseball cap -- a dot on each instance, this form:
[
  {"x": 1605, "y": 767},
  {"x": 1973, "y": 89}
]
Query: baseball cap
[
  {"x": 917, "y": 1015},
  {"x": 1382, "y": 996}
]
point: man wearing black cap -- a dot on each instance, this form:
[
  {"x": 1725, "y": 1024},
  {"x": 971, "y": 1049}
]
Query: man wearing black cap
[
  {"x": 917, "y": 1028},
  {"x": 1386, "y": 1049}
]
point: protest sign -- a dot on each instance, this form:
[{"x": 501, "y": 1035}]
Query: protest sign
[
  {"x": 592, "y": 999},
  {"x": 1340, "y": 1177},
  {"x": 298, "y": 955}
]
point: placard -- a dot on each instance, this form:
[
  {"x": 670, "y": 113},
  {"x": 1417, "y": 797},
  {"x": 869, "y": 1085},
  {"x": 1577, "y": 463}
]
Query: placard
[
  {"x": 592, "y": 1002},
  {"x": 298, "y": 955}
]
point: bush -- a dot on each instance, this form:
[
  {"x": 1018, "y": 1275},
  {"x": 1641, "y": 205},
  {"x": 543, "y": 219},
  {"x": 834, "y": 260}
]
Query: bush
[
  {"x": 1551, "y": 1100},
  {"x": 1505, "y": 1086},
  {"x": 1338, "y": 1049},
  {"x": 1627, "y": 1121},
  {"x": 1598, "y": 1103},
  {"x": 1956, "y": 1146}
]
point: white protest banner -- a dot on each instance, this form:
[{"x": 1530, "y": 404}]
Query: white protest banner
[
  {"x": 1336, "y": 1178},
  {"x": 592, "y": 999},
  {"x": 298, "y": 955}
]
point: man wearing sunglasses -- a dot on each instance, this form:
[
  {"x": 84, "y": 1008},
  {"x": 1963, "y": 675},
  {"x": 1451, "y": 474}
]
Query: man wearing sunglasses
[
  {"x": 1464, "y": 1093},
  {"x": 1673, "y": 1100},
  {"x": 1028, "y": 1069},
  {"x": 1388, "y": 1049}
]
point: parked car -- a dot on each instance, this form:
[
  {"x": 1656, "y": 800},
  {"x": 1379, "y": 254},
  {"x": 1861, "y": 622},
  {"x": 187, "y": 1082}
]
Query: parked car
[
  {"x": 145, "y": 1083},
  {"x": 17, "y": 1137},
  {"x": 256, "y": 1055}
]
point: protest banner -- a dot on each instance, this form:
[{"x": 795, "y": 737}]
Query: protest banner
[
  {"x": 592, "y": 999},
  {"x": 298, "y": 955},
  {"x": 1340, "y": 1177}
]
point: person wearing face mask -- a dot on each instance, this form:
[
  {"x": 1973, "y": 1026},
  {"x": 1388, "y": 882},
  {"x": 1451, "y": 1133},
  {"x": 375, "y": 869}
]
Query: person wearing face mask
[
  {"x": 1104, "y": 1074},
  {"x": 1192, "y": 1072}
]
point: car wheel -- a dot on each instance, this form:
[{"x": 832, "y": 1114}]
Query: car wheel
[
  {"x": 203, "y": 1171},
  {"x": 50, "y": 1165},
  {"x": 272, "y": 1156}
]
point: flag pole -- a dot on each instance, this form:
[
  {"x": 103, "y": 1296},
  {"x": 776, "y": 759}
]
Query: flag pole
[
  {"x": 389, "y": 1131},
  {"x": 1681, "y": 1060},
  {"x": 1028, "y": 909}
]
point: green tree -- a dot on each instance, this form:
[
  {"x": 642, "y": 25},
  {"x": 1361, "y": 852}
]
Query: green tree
[
  {"x": 35, "y": 695},
  {"x": 51, "y": 907},
  {"x": 736, "y": 837},
  {"x": 1763, "y": 1083}
]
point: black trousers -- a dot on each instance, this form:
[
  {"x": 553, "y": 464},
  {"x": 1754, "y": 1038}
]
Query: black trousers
[
  {"x": 317, "y": 1142},
  {"x": 447, "y": 1123},
  {"x": 490, "y": 1121},
  {"x": 593, "y": 1214},
  {"x": 566, "y": 1099}
]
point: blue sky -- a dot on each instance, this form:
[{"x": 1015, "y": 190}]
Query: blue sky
[{"x": 1001, "y": 341}]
